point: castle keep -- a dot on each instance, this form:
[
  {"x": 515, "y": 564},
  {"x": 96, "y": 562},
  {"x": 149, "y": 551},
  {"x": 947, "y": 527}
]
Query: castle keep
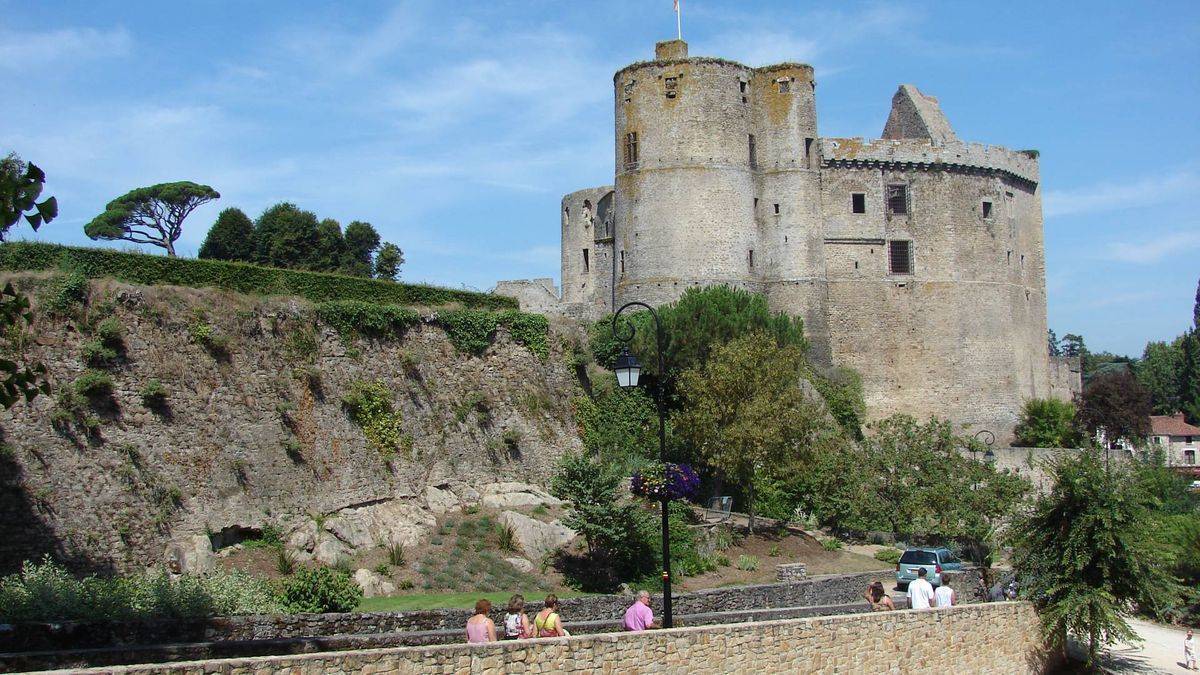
[{"x": 915, "y": 259}]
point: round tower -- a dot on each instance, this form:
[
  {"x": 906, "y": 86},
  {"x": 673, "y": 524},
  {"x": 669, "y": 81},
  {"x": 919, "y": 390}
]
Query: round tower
[{"x": 684, "y": 183}]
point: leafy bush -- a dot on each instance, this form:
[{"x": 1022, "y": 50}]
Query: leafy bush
[
  {"x": 831, "y": 545},
  {"x": 395, "y": 555},
  {"x": 370, "y": 407},
  {"x": 529, "y": 330},
  {"x": 46, "y": 591},
  {"x": 94, "y": 384},
  {"x": 358, "y": 317},
  {"x": 316, "y": 590},
  {"x": 285, "y": 561},
  {"x": 470, "y": 330},
  {"x": 775, "y": 551},
  {"x": 64, "y": 293},
  {"x": 890, "y": 556},
  {"x": 506, "y": 539},
  {"x": 207, "y": 336},
  {"x": 97, "y": 355},
  {"x": 747, "y": 563},
  {"x": 154, "y": 395},
  {"x": 238, "y": 277},
  {"x": 1047, "y": 423},
  {"x": 110, "y": 331}
]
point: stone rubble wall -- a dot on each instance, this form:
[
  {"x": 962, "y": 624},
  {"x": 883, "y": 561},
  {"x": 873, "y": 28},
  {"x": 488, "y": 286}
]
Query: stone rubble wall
[
  {"x": 259, "y": 437},
  {"x": 990, "y": 638}
]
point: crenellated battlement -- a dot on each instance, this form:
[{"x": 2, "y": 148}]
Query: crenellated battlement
[{"x": 923, "y": 154}]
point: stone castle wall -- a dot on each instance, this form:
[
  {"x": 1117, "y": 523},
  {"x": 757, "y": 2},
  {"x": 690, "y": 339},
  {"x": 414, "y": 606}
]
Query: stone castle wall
[
  {"x": 732, "y": 185},
  {"x": 259, "y": 437},
  {"x": 990, "y": 638}
]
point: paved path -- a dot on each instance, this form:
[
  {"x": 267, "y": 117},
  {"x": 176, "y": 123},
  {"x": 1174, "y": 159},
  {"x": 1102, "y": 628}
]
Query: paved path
[{"x": 1162, "y": 651}]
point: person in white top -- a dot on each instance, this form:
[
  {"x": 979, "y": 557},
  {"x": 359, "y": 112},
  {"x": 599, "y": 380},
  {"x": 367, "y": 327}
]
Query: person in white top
[
  {"x": 920, "y": 592},
  {"x": 1189, "y": 652},
  {"x": 944, "y": 595}
]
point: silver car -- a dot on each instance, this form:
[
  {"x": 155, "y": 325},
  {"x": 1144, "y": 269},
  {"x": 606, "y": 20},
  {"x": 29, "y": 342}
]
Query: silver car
[{"x": 933, "y": 560}]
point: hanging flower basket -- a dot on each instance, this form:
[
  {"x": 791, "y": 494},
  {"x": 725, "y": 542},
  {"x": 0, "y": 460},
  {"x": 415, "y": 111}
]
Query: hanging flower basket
[{"x": 674, "y": 481}]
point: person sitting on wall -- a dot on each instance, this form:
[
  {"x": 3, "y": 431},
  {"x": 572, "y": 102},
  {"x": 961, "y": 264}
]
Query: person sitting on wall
[
  {"x": 878, "y": 598},
  {"x": 639, "y": 616},
  {"x": 480, "y": 627},
  {"x": 516, "y": 621},
  {"x": 944, "y": 595},
  {"x": 547, "y": 623}
]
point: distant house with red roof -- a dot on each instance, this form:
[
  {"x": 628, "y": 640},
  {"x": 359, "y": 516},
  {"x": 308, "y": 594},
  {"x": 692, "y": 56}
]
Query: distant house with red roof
[{"x": 1178, "y": 439}]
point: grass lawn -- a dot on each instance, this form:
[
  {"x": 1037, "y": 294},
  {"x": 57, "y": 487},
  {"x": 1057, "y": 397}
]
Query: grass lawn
[{"x": 403, "y": 603}]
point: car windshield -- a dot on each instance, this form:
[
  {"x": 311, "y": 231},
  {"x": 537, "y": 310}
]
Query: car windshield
[{"x": 918, "y": 558}]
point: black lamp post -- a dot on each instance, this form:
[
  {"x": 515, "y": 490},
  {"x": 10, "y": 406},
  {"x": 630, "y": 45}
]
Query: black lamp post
[{"x": 628, "y": 372}]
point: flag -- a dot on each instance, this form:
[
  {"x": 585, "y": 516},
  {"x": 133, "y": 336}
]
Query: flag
[{"x": 676, "y": 5}]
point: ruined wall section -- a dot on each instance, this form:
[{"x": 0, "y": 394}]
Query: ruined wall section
[
  {"x": 685, "y": 202},
  {"x": 965, "y": 331},
  {"x": 587, "y": 250}
]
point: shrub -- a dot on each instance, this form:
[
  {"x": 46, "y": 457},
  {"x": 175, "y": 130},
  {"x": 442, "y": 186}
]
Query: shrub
[
  {"x": 94, "y": 384},
  {"x": 383, "y": 569},
  {"x": 207, "y": 336},
  {"x": 775, "y": 551},
  {"x": 506, "y": 539},
  {"x": 64, "y": 293},
  {"x": 110, "y": 332},
  {"x": 285, "y": 562},
  {"x": 154, "y": 395},
  {"x": 469, "y": 330},
  {"x": 321, "y": 589},
  {"x": 358, "y": 317},
  {"x": 238, "y": 277},
  {"x": 46, "y": 591},
  {"x": 831, "y": 545},
  {"x": 97, "y": 355},
  {"x": 747, "y": 563},
  {"x": 890, "y": 556},
  {"x": 405, "y": 585},
  {"x": 395, "y": 555},
  {"x": 1047, "y": 423},
  {"x": 369, "y": 405}
]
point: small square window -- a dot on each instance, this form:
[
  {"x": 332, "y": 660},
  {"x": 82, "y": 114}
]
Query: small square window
[
  {"x": 858, "y": 202},
  {"x": 987, "y": 210},
  {"x": 785, "y": 85},
  {"x": 900, "y": 257}
]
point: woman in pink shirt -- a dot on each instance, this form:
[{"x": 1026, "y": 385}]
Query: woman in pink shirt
[{"x": 480, "y": 628}]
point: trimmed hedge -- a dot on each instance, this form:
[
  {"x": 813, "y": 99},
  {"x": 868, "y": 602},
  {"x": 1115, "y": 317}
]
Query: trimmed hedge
[{"x": 139, "y": 268}]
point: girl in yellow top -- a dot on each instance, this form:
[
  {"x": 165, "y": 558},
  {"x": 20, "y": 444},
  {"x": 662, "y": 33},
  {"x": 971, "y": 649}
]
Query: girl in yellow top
[{"x": 547, "y": 622}]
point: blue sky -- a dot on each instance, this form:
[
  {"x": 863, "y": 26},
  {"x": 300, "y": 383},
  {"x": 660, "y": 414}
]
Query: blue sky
[{"x": 455, "y": 127}]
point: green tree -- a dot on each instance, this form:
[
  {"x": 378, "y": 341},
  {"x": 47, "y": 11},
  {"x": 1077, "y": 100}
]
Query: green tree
[
  {"x": 1114, "y": 406},
  {"x": 1073, "y": 345},
  {"x": 1047, "y": 423},
  {"x": 361, "y": 242},
  {"x": 230, "y": 238},
  {"x": 1159, "y": 371},
  {"x": 620, "y": 428},
  {"x": 21, "y": 184},
  {"x": 286, "y": 236},
  {"x": 745, "y": 411},
  {"x": 331, "y": 247},
  {"x": 1189, "y": 376},
  {"x": 150, "y": 215},
  {"x": 388, "y": 262},
  {"x": 1085, "y": 551},
  {"x": 1052, "y": 343}
]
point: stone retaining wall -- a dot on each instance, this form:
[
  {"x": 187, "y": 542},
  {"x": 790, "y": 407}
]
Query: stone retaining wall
[
  {"x": 991, "y": 638},
  {"x": 822, "y": 590}
]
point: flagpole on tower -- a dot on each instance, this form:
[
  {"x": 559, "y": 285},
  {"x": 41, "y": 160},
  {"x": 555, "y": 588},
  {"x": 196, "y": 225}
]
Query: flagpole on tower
[{"x": 678, "y": 22}]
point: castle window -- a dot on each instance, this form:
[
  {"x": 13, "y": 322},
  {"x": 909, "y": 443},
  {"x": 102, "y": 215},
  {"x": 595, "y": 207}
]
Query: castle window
[
  {"x": 987, "y": 210},
  {"x": 897, "y": 199},
  {"x": 622, "y": 262},
  {"x": 753, "y": 153},
  {"x": 785, "y": 85},
  {"x": 742, "y": 89},
  {"x": 756, "y": 204},
  {"x": 751, "y": 258},
  {"x": 672, "y": 83},
  {"x": 631, "y": 149},
  {"x": 586, "y": 267},
  {"x": 808, "y": 143},
  {"x": 858, "y": 202},
  {"x": 900, "y": 257},
  {"x": 776, "y": 209}
]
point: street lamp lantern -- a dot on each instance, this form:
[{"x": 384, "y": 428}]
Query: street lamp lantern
[
  {"x": 989, "y": 456},
  {"x": 628, "y": 369}
]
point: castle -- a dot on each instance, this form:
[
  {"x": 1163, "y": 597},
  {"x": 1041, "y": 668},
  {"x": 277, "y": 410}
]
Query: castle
[{"x": 916, "y": 259}]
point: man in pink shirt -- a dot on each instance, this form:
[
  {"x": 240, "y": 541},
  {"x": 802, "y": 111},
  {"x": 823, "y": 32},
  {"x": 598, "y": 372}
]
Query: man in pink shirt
[{"x": 639, "y": 616}]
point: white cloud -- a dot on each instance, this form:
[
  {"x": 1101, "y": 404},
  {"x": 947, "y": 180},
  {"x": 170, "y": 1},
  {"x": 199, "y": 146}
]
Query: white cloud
[
  {"x": 1154, "y": 250},
  {"x": 20, "y": 50},
  {"x": 1110, "y": 196}
]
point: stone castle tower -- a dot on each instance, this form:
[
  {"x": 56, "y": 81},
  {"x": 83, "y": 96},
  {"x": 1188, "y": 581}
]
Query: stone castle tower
[{"x": 915, "y": 259}]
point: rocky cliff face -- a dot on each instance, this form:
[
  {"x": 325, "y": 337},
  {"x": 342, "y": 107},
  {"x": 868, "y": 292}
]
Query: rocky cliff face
[{"x": 250, "y": 433}]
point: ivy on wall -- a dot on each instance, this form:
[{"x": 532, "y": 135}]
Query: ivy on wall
[
  {"x": 355, "y": 317},
  {"x": 370, "y": 407}
]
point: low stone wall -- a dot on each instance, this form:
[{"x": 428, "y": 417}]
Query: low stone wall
[
  {"x": 823, "y": 590},
  {"x": 791, "y": 572},
  {"x": 991, "y": 638}
]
